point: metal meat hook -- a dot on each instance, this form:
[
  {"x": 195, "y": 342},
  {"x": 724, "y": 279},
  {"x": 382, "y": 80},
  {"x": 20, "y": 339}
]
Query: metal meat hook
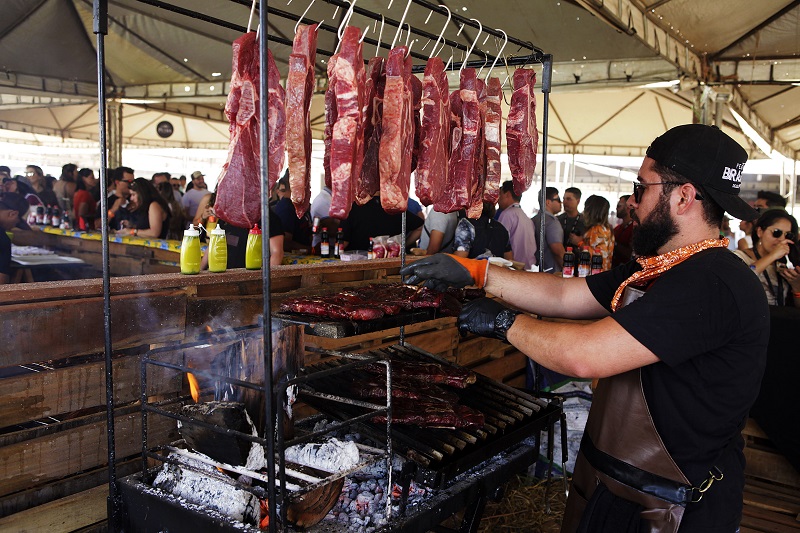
[
  {"x": 402, "y": 20},
  {"x": 297, "y": 24},
  {"x": 469, "y": 52},
  {"x": 441, "y": 33},
  {"x": 499, "y": 53}
]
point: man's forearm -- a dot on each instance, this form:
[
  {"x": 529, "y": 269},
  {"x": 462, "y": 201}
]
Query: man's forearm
[{"x": 544, "y": 294}]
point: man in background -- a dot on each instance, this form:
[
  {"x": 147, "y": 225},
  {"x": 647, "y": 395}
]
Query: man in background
[
  {"x": 571, "y": 219},
  {"x": 768, "y": 199},
  {"x": 519, "y": 226},
  {"x": 553, "y": 232},
  {"x": 191, "y": 199},
  {"x": 623, "y": 233},
  {"x": 13, "y": 209}
]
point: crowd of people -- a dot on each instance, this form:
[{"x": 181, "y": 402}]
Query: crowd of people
[{"x": 163, "y": 206}]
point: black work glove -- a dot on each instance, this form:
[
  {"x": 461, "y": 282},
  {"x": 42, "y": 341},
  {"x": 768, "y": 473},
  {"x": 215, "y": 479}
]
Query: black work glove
[
  {"x": 486, "y": 317},
  {"x": 440, "y": 271}
]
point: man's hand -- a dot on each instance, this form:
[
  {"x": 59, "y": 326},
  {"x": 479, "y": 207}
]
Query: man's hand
[
  {"x": 486, "y": 317},
  {"x": 440, "y": 271}
]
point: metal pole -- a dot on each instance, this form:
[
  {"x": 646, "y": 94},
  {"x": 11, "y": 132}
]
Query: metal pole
[
  {"x": 266, "y": 323},
  {"x": 100, "y": 29}
]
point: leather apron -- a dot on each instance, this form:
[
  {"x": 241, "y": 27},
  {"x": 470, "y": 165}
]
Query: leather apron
[{"x": 620, "y": 425}]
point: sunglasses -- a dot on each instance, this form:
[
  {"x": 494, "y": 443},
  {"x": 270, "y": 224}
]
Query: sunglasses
[
  {"x": 638, "y": 189},
  {"x": 556, "y": 199},
  {"x": 777, "y": 233}
]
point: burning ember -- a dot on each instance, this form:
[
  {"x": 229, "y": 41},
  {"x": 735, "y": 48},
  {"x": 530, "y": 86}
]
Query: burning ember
[{"x": 194, "y": 386}]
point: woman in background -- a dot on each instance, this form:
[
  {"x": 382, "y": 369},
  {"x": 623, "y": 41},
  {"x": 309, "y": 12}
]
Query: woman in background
[
  {"x": 599, "y": 235},
  {"x": 149, "y": 212},
  {"x": 176, "y": 217},
  {"x": 774, "y": 235},
  {"x": 87, "y": 194}
]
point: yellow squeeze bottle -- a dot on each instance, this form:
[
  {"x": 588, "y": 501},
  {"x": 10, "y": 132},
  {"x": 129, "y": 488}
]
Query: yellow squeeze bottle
[
  {"x": 217, "y": 251},
  {"x": 252, "y": 254},
  {"x": 190, "y": 251}
]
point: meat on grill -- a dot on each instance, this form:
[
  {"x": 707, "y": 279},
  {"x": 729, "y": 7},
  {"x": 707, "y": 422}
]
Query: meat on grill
[
  {"x": 238, "y": 186},
  {"x": 431, "y": 171},
  {"x": 522, "y": 137},
  {"x": 332, "y": 308},
  {"x": 453, "y": 376},
  {"x": 369, "y": 182},
  {"x": 432, "y": 414},
  {"x": 347, "y": 144},
  {"x": 299, "y": 89},
  {"x": 397, "y": 140},
  {"x": 493, "y": 137},
  {"x": 375, "y": 389},
  {"x": 373, "y": 301}
]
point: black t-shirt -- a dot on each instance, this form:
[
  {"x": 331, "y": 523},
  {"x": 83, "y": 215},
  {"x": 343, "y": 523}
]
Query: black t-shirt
[
  {"x": 300, "y": 228},
  {"x": 707, "y": 320},
  {"x": 236, "y": 238},
  {"x": 5, "y": 253},
  {"x": 489, "y": 235},
  {"x": 574, "y": 225},
  {"x": 370, "y": 220}
]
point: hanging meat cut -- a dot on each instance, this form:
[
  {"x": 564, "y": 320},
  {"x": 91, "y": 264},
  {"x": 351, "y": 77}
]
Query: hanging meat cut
[
  {"x": 522, "y": 137},
  {"x": 493, "y": 136},
  {"x": 416, "y": 106},
  {"x": 238, "y": 186},
  {"x": 397, "y": 140},
  {"x": 369, "y": 182},
  {"x": 347, "y": 143},
  {"x": 479, "y": 176},
  {"x": 431, "y": 172},
  {"x": 330, "y": 120},
  {"x": 465, "y": 120},
  {"x": 299, "y": 89}
]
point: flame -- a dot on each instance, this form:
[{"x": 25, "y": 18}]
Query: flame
[
  {"x": 194, "y": 385},
  {"x": 208, "y": 329},
  {"x": 264, "y": 524}
]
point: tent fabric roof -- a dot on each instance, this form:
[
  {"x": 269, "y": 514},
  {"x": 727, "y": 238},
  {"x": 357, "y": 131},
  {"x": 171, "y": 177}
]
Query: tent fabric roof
[{"x": 167, "y": 65}]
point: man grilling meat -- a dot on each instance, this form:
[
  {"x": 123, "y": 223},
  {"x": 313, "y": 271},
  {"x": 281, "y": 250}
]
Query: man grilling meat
[{"x": 679, "y": 340}]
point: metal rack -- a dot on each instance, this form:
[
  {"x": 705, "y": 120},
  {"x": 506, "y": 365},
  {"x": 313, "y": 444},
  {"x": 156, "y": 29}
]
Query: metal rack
[{"x": 100, "y": 18}]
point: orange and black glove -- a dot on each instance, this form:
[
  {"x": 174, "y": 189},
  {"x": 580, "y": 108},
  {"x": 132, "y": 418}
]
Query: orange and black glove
[{"x": 440, "y": 271}]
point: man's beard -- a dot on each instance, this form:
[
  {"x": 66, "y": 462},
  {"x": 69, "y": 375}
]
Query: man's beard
[{"x": 656, "y": 231}]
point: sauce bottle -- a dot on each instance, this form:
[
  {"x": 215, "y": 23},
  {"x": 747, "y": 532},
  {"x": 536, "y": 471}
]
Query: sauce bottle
[
  {"x": 190, "y": 251},
  {"x": 211, "y": 223},
  {"x": 568, "y": 269},
  {"x": 339, "y": 243},
  {"x": 252, "y": 254},
  {"x": 597, "y": 261},
  {"x": 585, "y": 263},
  {"x": 325, "y": 245},
  {"x": 217, "y": 250}
]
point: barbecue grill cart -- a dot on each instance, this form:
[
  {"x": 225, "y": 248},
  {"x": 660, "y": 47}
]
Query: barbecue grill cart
[{"x": 262, "y": 368}]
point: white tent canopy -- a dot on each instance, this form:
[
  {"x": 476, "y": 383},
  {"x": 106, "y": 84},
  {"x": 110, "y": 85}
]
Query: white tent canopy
[{"x": 706, "y": 57}]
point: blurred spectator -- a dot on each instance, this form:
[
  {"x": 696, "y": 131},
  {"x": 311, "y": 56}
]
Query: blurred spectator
[
  {"x": 164, "y": 177},
  {"x": 598, "y": 236},
  {"x": 65, "y": 186},
  {"x": 85, "y": 200},
  {"x": 518, "y": 224},
  {"x": 370, "y": 220},
  {"x": 40, "y": 185},
  {"x": 194, "y": 193},
  {"x": 438, "y": 232},
  {"x": 296, "y": 231},
  {"x": 176, "y": 219},
  {"x": 623, "y": 233},
  {"x": 149, "y": 212},
  {"x": 768, "y": 199},
  {"x": 118, "y": 194},
  {"x": 553, "y": 256},
  {"x": 13, "y": 209},
  {"x": 482, "y": 237}
]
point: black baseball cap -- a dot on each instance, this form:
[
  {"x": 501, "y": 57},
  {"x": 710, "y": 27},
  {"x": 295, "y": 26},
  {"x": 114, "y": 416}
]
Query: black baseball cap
[
  {"x": 706, "y": 156},
  {"x": 12, "y": 201}
]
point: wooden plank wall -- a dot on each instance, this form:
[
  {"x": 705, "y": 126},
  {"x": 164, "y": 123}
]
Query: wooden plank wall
[{"x": 52, "y": 418}]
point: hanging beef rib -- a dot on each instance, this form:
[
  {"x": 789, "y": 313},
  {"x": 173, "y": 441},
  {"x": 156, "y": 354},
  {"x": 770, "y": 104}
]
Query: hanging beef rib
[
  {"x": 493, "y": 135},
  {"x": 431, "y": 173}
]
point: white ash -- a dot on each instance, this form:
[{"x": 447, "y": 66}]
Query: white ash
[
  {"x": 205, "y": 485},
  {"x": 331, "y": 456}
]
